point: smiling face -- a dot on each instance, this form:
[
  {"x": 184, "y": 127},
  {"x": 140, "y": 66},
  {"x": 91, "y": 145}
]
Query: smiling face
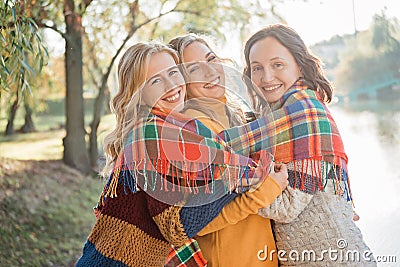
[
  {"x": 205, "y": 72},
  {"x": 165, "y": 86},
  {"x": 273, "y": 68}
]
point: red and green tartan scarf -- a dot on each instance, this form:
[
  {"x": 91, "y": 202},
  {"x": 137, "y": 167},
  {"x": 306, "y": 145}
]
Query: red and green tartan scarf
[
  {"x": 299, "y": 129},
  {"x": 170, "y": 151},
  {"x": 188, "y": 255}
]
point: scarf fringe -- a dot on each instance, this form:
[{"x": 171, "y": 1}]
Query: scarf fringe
[
  {"x": 158, "y": 174},
  {"x": 312, "y": 175}
]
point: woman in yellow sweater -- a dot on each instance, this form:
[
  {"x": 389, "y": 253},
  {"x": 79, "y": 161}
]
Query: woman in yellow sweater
[{"x": 238, "y": 236}]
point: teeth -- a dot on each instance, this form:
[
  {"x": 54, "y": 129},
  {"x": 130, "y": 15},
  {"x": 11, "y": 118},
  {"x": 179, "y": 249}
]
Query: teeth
[
  {"x": 271, "y": 88},
  {"x": 212, "y": 83},
  {"x": 172, "y": 98}
]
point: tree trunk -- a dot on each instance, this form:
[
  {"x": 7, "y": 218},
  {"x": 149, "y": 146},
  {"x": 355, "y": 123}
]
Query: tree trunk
[
  {"x": 94, "y": 125},
  {"x": 107, "y": 100},
  {"x": 11, "y": 118},
  {"x": 28, "y": 126},
  {"x": 93, "y": 147},
  {"x": 75, "y": 152}
]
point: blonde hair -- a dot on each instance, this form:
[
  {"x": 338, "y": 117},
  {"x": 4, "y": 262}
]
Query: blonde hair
[
  {"x": 132, "y": 72},
  {"x": 233, "y": 108}
]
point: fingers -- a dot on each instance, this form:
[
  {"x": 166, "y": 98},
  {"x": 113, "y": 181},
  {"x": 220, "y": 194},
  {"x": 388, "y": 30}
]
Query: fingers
[
  {"x": 281, "y": 169},
  {"x": 272, "y": 169},
  {"x": 281, "y": 175}
]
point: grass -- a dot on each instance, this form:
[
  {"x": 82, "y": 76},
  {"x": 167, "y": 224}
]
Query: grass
[
  {"x": 39, "y": 145},
  {"x": 45, "y": 212},
  {"x": 45, "y": 206}
]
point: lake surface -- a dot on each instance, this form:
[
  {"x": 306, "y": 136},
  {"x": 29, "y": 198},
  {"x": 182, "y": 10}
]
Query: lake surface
[{"x": 371, "y": 135}]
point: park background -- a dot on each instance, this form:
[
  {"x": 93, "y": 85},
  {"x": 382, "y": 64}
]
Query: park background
[{"x": 47, "y": 193}]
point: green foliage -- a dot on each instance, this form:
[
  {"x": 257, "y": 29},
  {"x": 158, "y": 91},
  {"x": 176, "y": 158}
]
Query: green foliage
[
  {"x": 23, "y": 53},
  {"x": 383, "y": 31},
  {"x": 209, "y": 17},
  {"x": 371, "y": 56}
]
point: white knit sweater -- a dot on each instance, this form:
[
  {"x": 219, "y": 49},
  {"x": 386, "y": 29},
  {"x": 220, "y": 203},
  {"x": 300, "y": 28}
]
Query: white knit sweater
[{"x": 316, "y": 229}]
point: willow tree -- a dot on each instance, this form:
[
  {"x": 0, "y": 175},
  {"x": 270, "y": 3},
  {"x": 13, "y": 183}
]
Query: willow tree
[{"x": 22, "y": 57}]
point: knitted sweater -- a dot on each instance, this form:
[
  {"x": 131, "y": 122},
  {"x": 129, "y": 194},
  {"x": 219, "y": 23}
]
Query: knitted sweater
[
  {"x": 317, "y": 222},
  {"x": 237, "y": 235},
  {"x": 135, "y": 229}
]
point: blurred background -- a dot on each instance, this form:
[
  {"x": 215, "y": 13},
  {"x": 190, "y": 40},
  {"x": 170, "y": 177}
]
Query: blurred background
[{"x": 58, "y": 74}]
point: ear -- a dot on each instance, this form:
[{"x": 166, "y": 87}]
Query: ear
[{"x": 300, "y": 72}]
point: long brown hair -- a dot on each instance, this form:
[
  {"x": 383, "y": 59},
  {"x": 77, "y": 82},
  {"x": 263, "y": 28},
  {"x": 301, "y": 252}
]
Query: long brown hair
[{"x": 309, "y": 64}]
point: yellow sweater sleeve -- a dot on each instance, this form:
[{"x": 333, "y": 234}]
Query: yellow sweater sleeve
[
  {"x": 211, "y": 124},
  {"x": 244, "y": 205}
]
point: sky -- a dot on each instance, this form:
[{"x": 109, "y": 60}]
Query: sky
[{"x": 317, "y": 20}]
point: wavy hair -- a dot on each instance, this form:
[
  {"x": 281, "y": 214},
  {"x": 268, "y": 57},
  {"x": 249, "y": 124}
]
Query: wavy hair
[
  {"x": 234, "y": 111},
  {"x": 310, "y": 65},
  {"x": 132, "y": 72}
]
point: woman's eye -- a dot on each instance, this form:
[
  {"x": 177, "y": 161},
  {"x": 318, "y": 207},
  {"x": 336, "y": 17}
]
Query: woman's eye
[
  {"x": 193, "y": 69},
  {"x": 256, "y": 68},
  {"x": 278, "y": 65},
  {"x": 156, "y": 81},
  {"x": 173, "y": 72},
  {"x": 212, "y": 58}
]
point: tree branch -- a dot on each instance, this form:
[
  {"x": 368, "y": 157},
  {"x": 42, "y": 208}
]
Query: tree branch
[
  {"x": 197, "y": 13},
  {"x": 166, "y": 13},
  {"x": 153, "y": 31},
  {"x": 87, "y": 2},
  {"x": 54, "y": 28},
  {"x": 84, "y": 5},
  {"x": 93, "y": 58}
]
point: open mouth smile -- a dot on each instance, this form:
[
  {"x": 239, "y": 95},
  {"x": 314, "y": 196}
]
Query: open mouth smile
[
  {"x": 173, "y": 98},
  {"x": 271, "y": 88},
  {"x": 212, "y": 83}
]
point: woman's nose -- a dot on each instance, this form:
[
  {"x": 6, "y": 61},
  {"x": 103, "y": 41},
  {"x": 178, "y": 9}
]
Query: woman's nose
[
  {"x": 211, "y": 68},
  {"x": 267, "y": 75},
  {"x": 175, "y": 81},
  {"x": 169, "y": 84}
]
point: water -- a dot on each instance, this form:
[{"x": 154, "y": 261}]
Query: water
[{"x": 371, "y": 135}]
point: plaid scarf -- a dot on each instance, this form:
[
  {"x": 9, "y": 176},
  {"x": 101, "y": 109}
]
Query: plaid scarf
[
  {"x": 168, "y": 150},
  {"x": 188, "y": 255},
  {"x": 300, "y": 129}
]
